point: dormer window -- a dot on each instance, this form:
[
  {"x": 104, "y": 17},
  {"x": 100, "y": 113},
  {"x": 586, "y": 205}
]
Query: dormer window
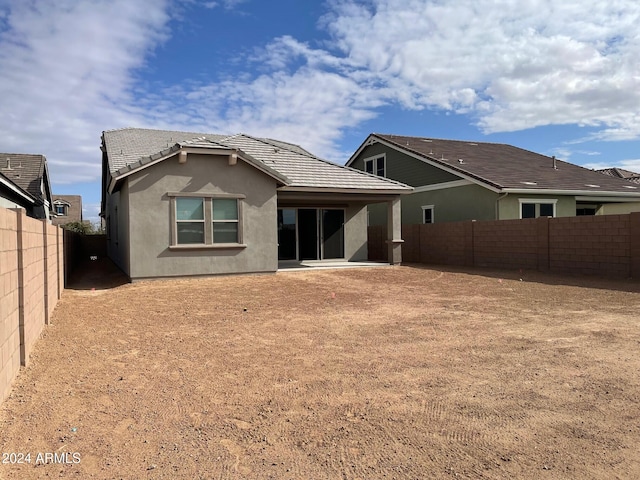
[
  {"x": 61, "y": 209},
  {"x": 375, "y": 165}
]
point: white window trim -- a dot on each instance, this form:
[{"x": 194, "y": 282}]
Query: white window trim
[
  {"x": 547, "y": 201},
  {"x": 208, "y": 221},
  {"x": 374, "y": 160},
  {"x": 433, "y": 213}
]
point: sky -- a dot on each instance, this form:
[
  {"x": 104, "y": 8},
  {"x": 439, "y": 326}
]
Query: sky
[{"x": 557, "y": 78}]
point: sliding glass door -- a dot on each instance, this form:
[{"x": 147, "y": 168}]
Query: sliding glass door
[{"x": 310, "y": 233}]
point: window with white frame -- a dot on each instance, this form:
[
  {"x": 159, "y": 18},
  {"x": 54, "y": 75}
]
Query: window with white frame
[
  {"x": 206, "y": 220},
  {"x": 537, "y": 207},
  {"x": 61, "y": 209},
  {"x": 427, "y": 214},
  {"x": 375, "y": 165}
]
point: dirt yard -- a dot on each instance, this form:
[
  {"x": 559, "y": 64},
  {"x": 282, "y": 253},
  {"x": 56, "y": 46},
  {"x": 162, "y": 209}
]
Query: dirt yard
[{"x": 394, "y": 373}]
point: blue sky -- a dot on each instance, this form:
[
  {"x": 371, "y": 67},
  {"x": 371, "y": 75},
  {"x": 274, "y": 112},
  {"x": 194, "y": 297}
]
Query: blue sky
[{"x": 558, "y": 78}]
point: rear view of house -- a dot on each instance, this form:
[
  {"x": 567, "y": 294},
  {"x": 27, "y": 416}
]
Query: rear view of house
[{"x": 185, "y": 203}]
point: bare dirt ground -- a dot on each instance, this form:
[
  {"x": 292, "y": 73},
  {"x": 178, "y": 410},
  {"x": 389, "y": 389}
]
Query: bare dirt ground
[{"x": 395, "y": 372}]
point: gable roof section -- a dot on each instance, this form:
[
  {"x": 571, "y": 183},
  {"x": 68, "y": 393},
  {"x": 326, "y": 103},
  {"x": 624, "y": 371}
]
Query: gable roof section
[
  {"x": 7, "y": 184},
  {"x": 306, "y": 171},
  {"x": 502, "y": 167},
  {"x": 25, "y": 170},
  {"x": 295, "y": 168}
]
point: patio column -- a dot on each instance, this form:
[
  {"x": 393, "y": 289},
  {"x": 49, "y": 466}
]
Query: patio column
[{"x": 394, "y": 231}]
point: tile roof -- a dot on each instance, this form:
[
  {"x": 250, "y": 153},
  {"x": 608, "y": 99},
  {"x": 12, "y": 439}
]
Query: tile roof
[
  {"x": 507, "y": 167},
  {"x": 306, "y": 170},
  {"x": 622, "y": 173},
  {"x": 134, "y": 146},
  {"x": 24, "y": 170},
  {"x": 129, "y": 145}
]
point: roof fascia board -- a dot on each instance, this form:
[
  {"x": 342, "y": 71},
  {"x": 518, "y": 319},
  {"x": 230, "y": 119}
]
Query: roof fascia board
[
  {"x": 14, "y": 188},
  {"x": 442, "y": 186},
  {"x": 365, "y": 191},
  {"x": 590, "y": 193},
  {"x": 606, "y": 199},
  {"x": 437, "y": 165}
]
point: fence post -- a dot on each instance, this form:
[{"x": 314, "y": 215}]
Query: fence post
[
  {"x": 634, "y": 245},
  {"x": 45, "y": 255},
  {"x": 469, "y": 254},
  {"x": 20, "y": 215}
]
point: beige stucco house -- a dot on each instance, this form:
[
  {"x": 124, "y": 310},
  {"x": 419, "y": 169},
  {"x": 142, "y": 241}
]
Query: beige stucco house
[
  {"x": 185, "y": 203},
  {"x": 458, "y": 180}
]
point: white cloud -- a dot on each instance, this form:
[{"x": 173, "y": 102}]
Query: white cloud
[
  {"x": 632, "y": 165},
  {"x": 516, "y": 65},
  {"x": 68, "y": 69}
]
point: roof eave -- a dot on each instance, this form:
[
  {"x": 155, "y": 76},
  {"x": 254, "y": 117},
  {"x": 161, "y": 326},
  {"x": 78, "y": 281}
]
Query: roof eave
[
  {"x": 367, "y": 191},
  {"x": 14, "y": 188},
  {"x": 590, "y": 193}
]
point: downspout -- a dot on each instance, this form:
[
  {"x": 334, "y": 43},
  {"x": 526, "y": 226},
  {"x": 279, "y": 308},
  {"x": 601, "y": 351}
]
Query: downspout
[{"x": 500, "y": 197}]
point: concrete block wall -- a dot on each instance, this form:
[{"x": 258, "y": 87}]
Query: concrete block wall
[
  {"x": 591, "y": 245},
  {"x": 443, "y": 245},
  {"x": 506, "y": 244},
  {"x": 31, "y": 277},
  {"x": 32, "y": 282},
  {"x": 9, "y": 300},
  {"x": 604, "y": 245}
]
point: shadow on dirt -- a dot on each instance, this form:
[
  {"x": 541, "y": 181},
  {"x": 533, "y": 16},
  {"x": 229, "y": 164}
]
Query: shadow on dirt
[
  {"x": 585, "y": 281},
  {"x": 99, "y": 274}
]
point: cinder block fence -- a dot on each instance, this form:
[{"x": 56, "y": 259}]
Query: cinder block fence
[
  {"x": 31, "y": 282},
  {"x": 602, "y": 245}
]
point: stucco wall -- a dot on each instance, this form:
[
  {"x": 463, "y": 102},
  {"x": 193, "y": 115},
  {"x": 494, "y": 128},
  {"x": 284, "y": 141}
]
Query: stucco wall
[
  {"x": 355, "y": 233},
  {"x": 618, "y": 208},
  {"x": 150, "y": 218}
]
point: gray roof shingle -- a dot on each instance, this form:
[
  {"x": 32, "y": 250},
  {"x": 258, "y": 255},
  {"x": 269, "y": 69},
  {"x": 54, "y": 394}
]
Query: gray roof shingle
[
  {"x": 507, "y": 167},
  {"x": 129, "y": 146},
  {"x": 24, "y": 170}
]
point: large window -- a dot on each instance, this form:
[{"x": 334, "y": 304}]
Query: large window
[
  {"x": 534, "y": 208},
  {"x": 190, "y": 220},
  {"x": 225, "y": 220},
  {"x": 375, "y": 165},
  {"x": 206, "y": 220}
]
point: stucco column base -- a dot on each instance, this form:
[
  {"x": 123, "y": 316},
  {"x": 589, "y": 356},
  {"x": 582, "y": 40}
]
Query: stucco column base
[{"x": 395, "y": 251}]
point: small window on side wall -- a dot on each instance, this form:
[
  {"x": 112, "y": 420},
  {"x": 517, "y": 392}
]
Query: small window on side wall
[{"x": 427, "y": 214}]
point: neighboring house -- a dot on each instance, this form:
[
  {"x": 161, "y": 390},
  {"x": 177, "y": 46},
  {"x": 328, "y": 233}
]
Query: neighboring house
[
  {"x": 622, "y": 173},
  {"x": 24, "y": 182},
  {"x": 67, "y": 209},
  {"x": 184, "y": 203},
  {"x": 630, "y": 176},
  {"x": 463, "y": 180}
]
